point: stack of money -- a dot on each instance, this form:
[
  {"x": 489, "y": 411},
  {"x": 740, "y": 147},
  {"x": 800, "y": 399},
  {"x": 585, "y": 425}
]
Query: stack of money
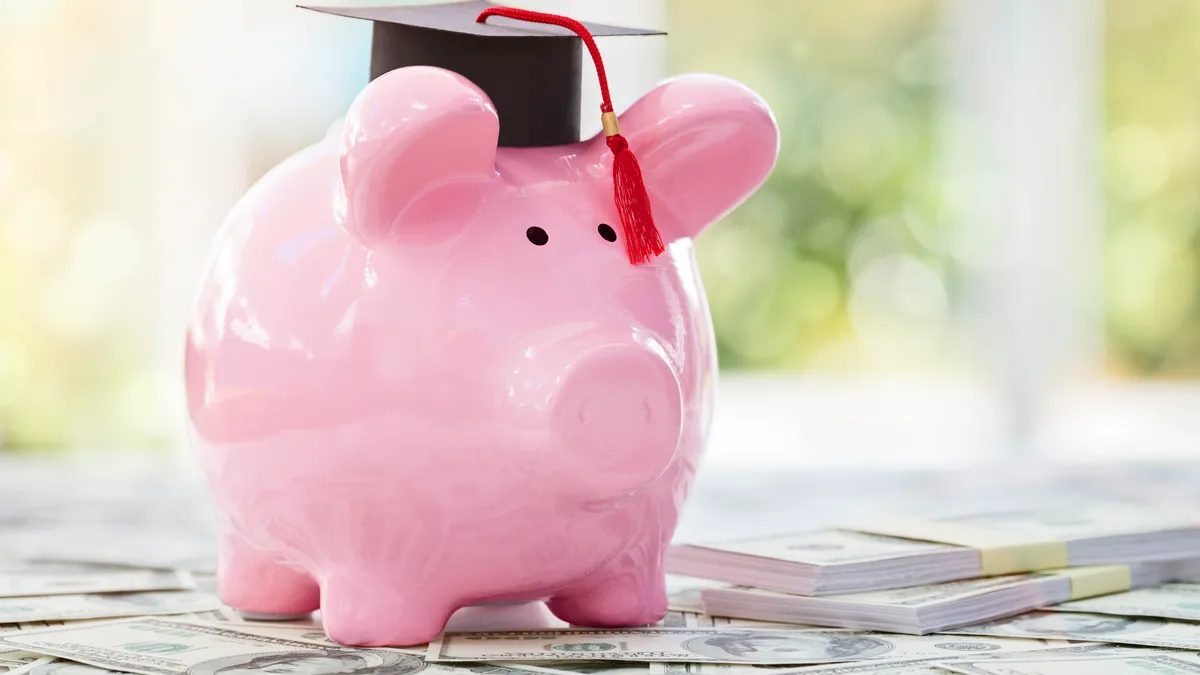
[
  {"x": 896, "y": 553},
  {"x": 892, "y": 575},
  {"x": 67, "y": 620}
]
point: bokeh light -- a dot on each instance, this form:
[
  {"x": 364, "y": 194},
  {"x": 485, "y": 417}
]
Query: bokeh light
[{"x": 851, "y": 258}]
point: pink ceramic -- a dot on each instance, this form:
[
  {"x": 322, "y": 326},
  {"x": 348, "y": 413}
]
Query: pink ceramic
[{"x": 404, "y": 406}]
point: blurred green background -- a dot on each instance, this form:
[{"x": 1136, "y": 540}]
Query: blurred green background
[{"x": 840, "y": 264}]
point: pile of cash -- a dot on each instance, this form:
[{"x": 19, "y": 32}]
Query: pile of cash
[
  {"x": 987, "y": 567},
  {"x": 1139, "y": 612}
]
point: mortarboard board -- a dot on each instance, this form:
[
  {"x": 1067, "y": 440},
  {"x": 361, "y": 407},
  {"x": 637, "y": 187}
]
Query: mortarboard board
[{"x": 530, "y": 71}]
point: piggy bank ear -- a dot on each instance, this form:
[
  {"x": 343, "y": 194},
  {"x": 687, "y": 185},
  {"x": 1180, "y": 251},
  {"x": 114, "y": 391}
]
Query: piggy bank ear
[
  {"x": 705, "y": 143},
  {"x": 410, "y": 132}
]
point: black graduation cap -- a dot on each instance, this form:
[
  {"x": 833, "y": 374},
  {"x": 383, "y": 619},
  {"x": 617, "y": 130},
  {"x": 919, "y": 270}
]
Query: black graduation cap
[{"x": 530, "y": 71}]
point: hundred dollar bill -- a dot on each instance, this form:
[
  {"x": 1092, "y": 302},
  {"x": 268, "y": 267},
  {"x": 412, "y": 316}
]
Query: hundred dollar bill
[
  {"x": 151, "y": 646},
  {"x": 1146, "y": 632},
  {"x": 967, "y": 649},
  {"x": 37, "y": 664},
  {"x": 20, "y": 584},
  {"x": 1153, "y": 663},
  {"x": 13, "y": 658},
  {"x": 306, "y": 630},
  {"x": 683, "y": 593},
  {"x": 104, "y": 605},
  {"x": 738, "y": 646},
  {"x": 52, "y": 666},
  {"x": 917, "y": 667},
  {"x": 587, "y": 668},
  {"x": 675, "y": 619},
  {"x": 930, "y": 666},
  {"x": 49, "y": 665},
  {"x": 1168, "y": 601}
]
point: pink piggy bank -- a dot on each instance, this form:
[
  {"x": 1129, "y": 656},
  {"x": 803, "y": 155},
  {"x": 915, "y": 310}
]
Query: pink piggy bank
[{"x": 422, "y": 373}]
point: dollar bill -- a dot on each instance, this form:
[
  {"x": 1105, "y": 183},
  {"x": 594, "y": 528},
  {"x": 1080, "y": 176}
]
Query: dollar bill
[
  {"x": 29, "y": 583},
  {"x": 219, "y": 615},
  {"x": 683, "y": 593},
  {"x": 38, "y": 665},
  {"x": 48, "y": 665},
  {"x": 909, "y": 598},
  {"x": 914, "y": 667},
  {"x": 1168, "y": 601},
  {"x": 1087, "y": 521},
  {"x": 13, "y": 658},
  {"x": 306, "y": 630},
  {"x": 150, "y": 646},
  {"x": 1148, "y": 632},
  {"x": 825, "y": 547},
  {"x": 741, "y": 646},
  {"x": 675, "y": 619},
  {"x": 588, "y": 668},
  {"x": 104, "y": 605},
  {"x": 1155, "y": 663}
]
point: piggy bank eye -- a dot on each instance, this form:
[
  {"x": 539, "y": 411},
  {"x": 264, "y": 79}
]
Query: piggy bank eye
[
  {"x": 537, "y": 236},
  {"x": 607, "y": 232}
]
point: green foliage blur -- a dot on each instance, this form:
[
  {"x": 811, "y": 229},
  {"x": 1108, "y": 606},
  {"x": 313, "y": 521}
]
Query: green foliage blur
[
  {"x": 831, "y": 263},
  {"x": 1152, "y": 162},
  {"x": 838, "y": 263}
]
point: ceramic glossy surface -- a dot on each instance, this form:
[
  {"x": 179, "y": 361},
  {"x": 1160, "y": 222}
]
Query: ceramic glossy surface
[{"x": 403, "y": 405}]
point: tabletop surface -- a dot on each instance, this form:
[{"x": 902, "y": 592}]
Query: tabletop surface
[{"x": 157, "y": 513}]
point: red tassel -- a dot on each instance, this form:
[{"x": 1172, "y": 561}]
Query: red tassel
[{"x": 642, "y": 240}]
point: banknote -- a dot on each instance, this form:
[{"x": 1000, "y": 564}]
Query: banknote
[
  {"x": 1052, "y": 649},
  {"x": 104, "y": 605},
  {"x": 12, "y": 658},
  {"x": 885, "y": 667},
  {"x": 675, "y": 619},
  {"x": 1147, "y": 632},
  {"x": 683, "y": 593},
  {"x": 36, "y": 665},
  {"x": 19, "y": 584},
  {"x": 1153, "y": 663},
  {"x": 150, "y": 646},
  {"x": 51, "y": 666},
  {"x": 1086, "y": 521},
  {"x": 48, "y": 665},
  {"x": 740, "y": 646},
  {"x": 305, "y": 630},
  {"x": 220, "y": 615},
  {"x": 1168, "y": 601},
  {"x": 586, "y": 668}
]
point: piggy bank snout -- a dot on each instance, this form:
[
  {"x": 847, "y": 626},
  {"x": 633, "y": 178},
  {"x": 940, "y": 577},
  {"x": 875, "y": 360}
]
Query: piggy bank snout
[{"x": 618, "y": 417}]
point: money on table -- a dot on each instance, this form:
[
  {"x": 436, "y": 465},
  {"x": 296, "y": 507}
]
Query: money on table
[
  {"x": 1142, "y": 631},
  {"x": 935, "y": 607},
  {"x": 734, "y": 646},
  {"x": 873, "y": 556},
  {"x": 1152, "y": 663},
  {"x": 104, "y": 605},
  {"x": 33, "y": 580},
  {"x": 152, "y": 646},
  {"x": 917, "y": 667},
  {"x": 1168, "y": 601}
]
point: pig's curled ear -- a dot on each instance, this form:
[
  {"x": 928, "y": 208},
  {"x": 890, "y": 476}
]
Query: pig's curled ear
[
  {"x": 408, "y": 133},
  {"x": 705, "y": 144}
]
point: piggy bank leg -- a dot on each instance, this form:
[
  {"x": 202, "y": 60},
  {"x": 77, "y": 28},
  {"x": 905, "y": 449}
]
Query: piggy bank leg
[
  {"x": 259, "y": 586},
  {"x": 618, "y": 596},
  {"x": 364, "y": 610}
]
